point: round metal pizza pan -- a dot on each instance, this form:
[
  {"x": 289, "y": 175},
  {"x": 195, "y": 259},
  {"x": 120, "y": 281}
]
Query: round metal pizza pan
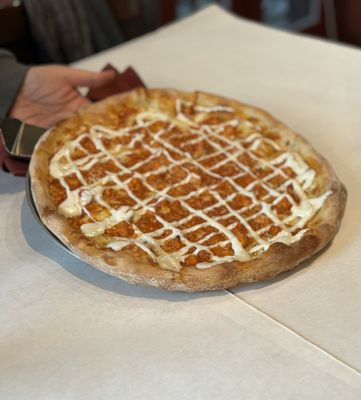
[{"x": 30, "y": 200}]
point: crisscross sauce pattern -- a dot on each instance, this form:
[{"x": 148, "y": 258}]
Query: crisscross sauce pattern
[{"x": 199, "y": 188}]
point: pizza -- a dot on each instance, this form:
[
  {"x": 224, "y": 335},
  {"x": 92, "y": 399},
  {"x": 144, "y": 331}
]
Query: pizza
[{"x": 184, "y": 191}]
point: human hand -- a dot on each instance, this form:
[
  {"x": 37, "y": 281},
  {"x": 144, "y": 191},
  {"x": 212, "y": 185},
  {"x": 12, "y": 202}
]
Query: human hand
[{"x": 50, "y": 93}]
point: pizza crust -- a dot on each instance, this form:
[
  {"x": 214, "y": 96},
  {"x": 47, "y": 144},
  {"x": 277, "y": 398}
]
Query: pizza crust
[{"x": 126, "y": 265}]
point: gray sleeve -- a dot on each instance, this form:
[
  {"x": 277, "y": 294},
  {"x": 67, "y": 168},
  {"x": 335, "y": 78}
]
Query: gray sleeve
[{"x": 12, "y": 75}]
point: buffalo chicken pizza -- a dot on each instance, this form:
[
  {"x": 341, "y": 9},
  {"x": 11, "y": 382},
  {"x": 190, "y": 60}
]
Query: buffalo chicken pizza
[{"x": 184, "y": 191}]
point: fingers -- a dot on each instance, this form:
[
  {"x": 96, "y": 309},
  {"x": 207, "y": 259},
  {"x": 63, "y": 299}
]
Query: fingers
[
  {"x": 78, "y": 77},
  {"x": 81, "y": 102},
  {"x": 73, "y": 105}
]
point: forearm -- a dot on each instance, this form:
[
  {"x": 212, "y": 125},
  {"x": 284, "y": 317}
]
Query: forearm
[{"x": 12, "y": 75}]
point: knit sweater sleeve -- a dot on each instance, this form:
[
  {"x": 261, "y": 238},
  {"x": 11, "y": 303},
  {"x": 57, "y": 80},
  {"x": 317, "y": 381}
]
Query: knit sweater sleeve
[{"x": 12, "y": 75}]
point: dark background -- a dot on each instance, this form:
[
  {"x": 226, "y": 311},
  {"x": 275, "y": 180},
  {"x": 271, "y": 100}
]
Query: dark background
[{"x": 336, "y": 20}]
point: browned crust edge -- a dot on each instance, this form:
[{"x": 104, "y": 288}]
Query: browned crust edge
[{"x": 278, "y": 258}]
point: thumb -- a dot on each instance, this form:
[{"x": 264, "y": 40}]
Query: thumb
[{"x": 78, "y": 77}]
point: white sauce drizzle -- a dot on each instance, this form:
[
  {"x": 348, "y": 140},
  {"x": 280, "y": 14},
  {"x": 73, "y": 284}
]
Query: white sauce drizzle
[
  {"x": 99, "y": 227},
  {"x": 61, "y": 166}
]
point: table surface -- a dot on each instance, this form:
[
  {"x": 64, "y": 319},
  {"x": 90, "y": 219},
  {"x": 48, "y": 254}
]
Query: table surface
[{"x": 68, "y": 331}]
